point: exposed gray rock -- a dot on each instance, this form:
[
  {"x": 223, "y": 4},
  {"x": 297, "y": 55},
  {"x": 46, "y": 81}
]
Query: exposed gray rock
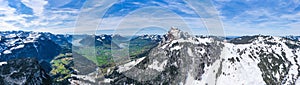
[{"x": 23, "y": 72}]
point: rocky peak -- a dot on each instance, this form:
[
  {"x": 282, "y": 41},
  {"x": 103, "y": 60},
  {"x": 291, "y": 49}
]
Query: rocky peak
[
  {"x": 175, "y": 34},
  {"x": 176, "y": 58}
]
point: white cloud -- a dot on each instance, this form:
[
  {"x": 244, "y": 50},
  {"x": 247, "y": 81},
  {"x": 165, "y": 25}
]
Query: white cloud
[
  {"x": 223, "y": 0},
  {"x": 46, "y": 20},
  {"x": 268, "y": 19},
  {"x": 53, "y": 20},
  {"x": 141, "y": 18},
  {"x": 253, "y": 21},
  {"x": 291, "y": 16},
  {"x": 36, "y": 5},
  {"x": 173, "y": 5},
  {"x": 8, "y": 12}
]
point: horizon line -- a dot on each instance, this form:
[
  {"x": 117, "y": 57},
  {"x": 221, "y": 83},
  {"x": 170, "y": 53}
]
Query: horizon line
[{"x": 95, "y": 33}]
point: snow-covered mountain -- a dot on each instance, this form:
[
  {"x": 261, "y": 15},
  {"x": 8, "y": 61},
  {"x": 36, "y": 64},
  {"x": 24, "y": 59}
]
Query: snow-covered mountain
[
  {"x": 19, "y": 44},
  {"x": 297, "y": 38},
  {"x": 260, "y": 60},
  {"x": 183, "y": 59},
  {"x": 41, "y": 46},
  {"x": 27, "y": 56},
  {"x": 23, "y": 72},
  {"x": 174, "y": 58}
]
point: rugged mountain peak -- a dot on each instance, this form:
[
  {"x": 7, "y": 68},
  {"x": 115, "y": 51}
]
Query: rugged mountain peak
[
  {"x": 179, "y": 58},
  {"x": 174, "y": 34},
  {"x": 193, "y": 61}
]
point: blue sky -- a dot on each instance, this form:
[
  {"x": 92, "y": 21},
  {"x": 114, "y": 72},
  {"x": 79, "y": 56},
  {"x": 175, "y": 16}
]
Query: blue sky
[{"x": 239, "y": 17}]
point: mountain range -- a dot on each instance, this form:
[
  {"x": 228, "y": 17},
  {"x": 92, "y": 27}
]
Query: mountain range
[{"x": 174, "y": 58}]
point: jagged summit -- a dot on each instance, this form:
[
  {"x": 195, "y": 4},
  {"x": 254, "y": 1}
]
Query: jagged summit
[
  {"x": 178, "y": 58},
  {"x": 188, "y": 60},
  {"x": 174, "y": 34}
]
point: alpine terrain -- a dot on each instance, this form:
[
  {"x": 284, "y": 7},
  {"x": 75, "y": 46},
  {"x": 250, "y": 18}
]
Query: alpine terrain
[
  {"x": 175, "y": 58},
  {"x": 180, "y": 58}
]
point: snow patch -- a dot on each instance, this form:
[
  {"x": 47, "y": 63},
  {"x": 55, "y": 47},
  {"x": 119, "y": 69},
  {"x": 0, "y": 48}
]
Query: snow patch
[
  {"x": 159, "y": 67},
  {"x": 204, "y": 40},
  {"x": 176, "y": 48},
  {"x": 190, "y": 80},
  {"x": 129, "y": 65},
  {"x": 3, "y": 63},
  {"x": 7, "y": 52},
  {"x": 108, "y": 80},
  {"x": 11, "y": 36},
  {"x": 190, "y": 52},
  {"x": 244, "y": 72},
  {"x": 18, "y": 47}
]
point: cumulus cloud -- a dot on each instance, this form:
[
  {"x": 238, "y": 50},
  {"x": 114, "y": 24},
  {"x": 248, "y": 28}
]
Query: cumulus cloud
[
  {"x": 8, "y": 15},
  {"x": 36, "y": 5},
  {"x": 41, "y": 19}
]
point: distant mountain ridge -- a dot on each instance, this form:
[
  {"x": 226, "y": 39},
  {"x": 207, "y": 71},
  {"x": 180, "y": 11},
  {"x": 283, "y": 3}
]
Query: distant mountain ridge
[{"x": 179, "y": 57}]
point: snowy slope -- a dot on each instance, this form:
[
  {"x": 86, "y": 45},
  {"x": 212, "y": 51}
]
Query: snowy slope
[
  {"x": 266, "y": 60},
  {"x": 249, "y": 60}
]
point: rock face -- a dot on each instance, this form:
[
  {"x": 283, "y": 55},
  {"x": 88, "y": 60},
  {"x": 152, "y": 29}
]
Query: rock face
[
  {"x": 263, "y": 60},
  {"x": 172, "y": 59},
  {"x": 183, "y": 59},
  {"x": 41, "y": 46},
  {"x": 177, "y": 58},
  {"x": 28, "y": 44},
  {"x": 23, "y": 72}
]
